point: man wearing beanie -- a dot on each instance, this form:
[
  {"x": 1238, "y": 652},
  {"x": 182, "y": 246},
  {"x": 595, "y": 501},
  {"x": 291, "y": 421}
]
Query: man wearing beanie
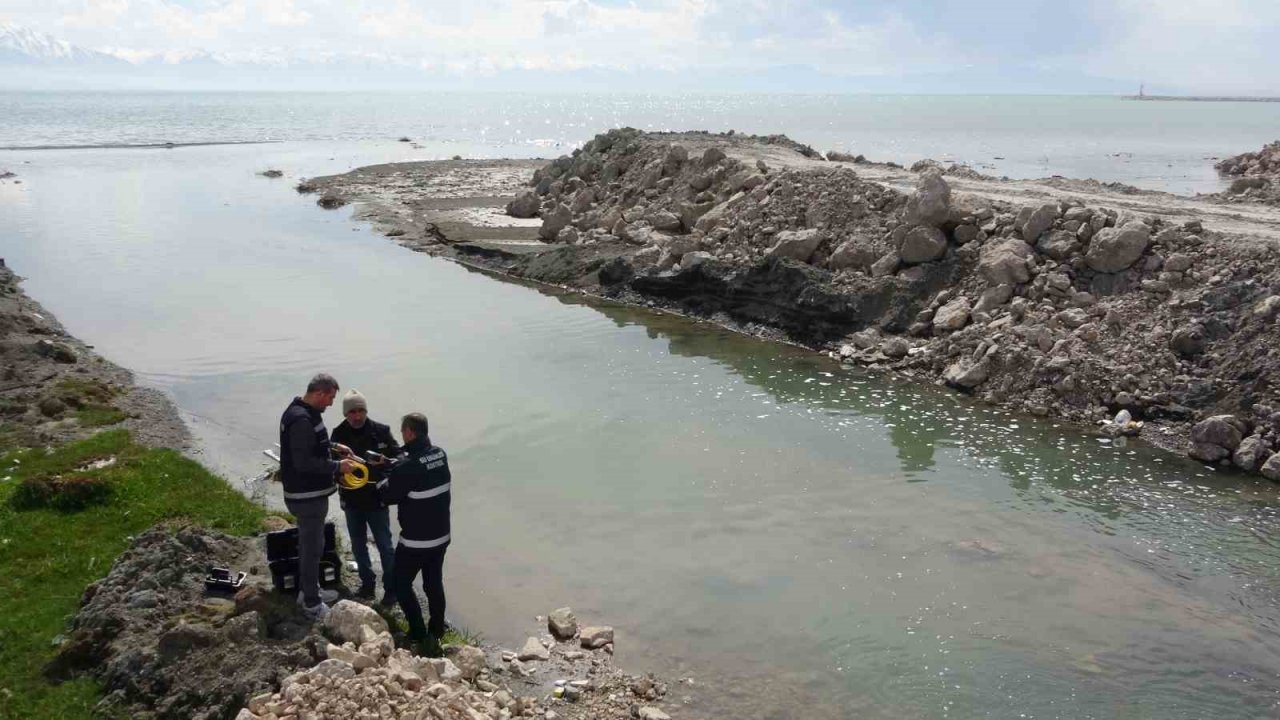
[{"x": 363, "y": 507}]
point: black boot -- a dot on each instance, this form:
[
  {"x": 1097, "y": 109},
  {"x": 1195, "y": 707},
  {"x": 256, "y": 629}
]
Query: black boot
[
  {"x": 365, "y": 592},
  {"x": 428, "y": 646}
]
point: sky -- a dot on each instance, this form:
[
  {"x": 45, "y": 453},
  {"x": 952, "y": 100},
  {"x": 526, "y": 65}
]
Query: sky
[{"x": 1173, "y": 46}]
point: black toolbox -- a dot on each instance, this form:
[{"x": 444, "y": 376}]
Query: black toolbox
[{"x": 282, "y": 558}]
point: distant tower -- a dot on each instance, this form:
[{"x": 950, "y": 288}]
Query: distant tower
[{"x": 1142, "y": 90}]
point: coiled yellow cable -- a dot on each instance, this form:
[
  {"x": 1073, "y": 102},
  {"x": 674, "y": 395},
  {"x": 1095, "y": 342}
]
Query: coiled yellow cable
[{"x": 357, "y": 478}]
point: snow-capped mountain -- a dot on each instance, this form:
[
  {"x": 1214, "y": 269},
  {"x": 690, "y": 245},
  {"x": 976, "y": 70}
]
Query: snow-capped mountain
[{"x": 24, "y": 46}]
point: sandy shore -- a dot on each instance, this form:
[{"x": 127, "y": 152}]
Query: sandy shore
[{"x": 1177, "y": 334}]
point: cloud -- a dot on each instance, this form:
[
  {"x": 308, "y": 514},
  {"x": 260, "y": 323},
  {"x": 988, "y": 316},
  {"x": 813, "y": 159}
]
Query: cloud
[
  {"x": 1199, "y": 46},
  {"x": 1195, "y": 45}
]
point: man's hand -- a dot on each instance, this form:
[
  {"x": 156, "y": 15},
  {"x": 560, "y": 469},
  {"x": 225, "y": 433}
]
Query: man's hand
[
  {"x": 342, "y": 450},
  {"x": 346, "y": 465}
]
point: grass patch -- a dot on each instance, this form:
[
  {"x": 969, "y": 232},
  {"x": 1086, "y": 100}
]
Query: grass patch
[
  {"x": 453, "y": 634},
  {"x": 99, "y": 415},
  {"x": 47, "y": 557}
]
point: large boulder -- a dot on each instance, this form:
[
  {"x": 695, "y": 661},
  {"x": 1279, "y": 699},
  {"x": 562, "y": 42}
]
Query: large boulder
[
  {"x": 346, "y": 620},
  {"x": 1271, "y": 468},
  {"x": 1115, "y": 249},
  {"x": 1005, "y": 263},
  {"x": 1219, "y": 430},
  {"x": 966, "y": 374},
  {"x": 1251, "y": 454},
  {"x": 886, "y": 265},
  {"x": 852, "y": 253},
  {"x": 665, "y": 221},
  {"x": 922, "y": 244},
  {"x": 1059, "y": 244},
  {"x": 562, "y": 623},
  {"x": 1039, "y": 220},
  {"x": 932, "y": 202},
  {"x": 993, "y": 297},
  {"x": 470, "y": 661},
  {"x": 525, "y": 206},
  {"x": 796, "y": 244},
  {"x": 596, "y": 637},
  {"x": 553, "y": 223},
  {"x": 952, "y": 316}
]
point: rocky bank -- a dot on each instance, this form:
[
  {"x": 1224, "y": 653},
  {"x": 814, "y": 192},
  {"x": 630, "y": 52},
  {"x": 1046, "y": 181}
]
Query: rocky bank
[
  {"x": 165, "y": 647},
  {"x": 1058, "y": 298},
  {"x": 1257, "y": 176},
  {"x": 53, "y": 387}
]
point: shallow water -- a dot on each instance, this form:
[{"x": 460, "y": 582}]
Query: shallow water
[{"x": 801, "y": 540}]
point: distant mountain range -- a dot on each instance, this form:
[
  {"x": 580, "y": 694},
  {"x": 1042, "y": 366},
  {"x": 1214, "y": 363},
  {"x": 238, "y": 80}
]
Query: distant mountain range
[
  {"x": 24, "y": 46},
  {"x": 33, "y": 60}
]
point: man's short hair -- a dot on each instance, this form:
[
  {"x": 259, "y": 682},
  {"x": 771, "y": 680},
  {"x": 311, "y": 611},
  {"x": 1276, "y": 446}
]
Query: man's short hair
[
  {"x": 417, "y": 422},
  {"x": 322, "y": 382}
]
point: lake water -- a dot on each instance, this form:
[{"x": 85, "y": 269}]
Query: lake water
[
  {"x": 1158, "y": 145},
  {"x": 801, "y": 540}
]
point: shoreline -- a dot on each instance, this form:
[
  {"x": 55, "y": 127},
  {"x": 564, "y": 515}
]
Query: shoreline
[
  {"x": 855, "y": 314},
  {"x": 44, "y": 362},
  {"x": 54, "y": 379}
]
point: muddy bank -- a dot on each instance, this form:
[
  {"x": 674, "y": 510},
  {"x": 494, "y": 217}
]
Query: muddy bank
[
  {"x": 165, "y": 647},
  {"x": 1060, "y": 298},
  {"x": 54, "y": 388}
]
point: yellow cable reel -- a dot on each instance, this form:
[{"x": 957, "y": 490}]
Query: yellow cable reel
[{"x": 357, "y": 478}]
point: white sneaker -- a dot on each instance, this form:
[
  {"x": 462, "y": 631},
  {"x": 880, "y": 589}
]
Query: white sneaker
[{"x": 316, "y": 612}]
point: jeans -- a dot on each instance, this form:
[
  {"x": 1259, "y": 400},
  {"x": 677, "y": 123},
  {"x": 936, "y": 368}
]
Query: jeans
[
  {"x": 431, "y": 563},
  {"x": 379, "y": 522},
  {"x": 311, "y": 515}
]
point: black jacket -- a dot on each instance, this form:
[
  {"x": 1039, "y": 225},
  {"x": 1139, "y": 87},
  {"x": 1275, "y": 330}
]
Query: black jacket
[
  {"x": 371, "y": 436},
  {"x": 420, "y": 484},
  {"x": 306, "y": 469}
]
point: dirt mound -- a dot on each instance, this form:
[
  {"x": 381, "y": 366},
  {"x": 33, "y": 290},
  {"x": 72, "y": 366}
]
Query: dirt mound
[
  {"x": 164, "y": 648},
  {"x": 1053, "y": 308},
  {"x": 1017, "y": 292}
]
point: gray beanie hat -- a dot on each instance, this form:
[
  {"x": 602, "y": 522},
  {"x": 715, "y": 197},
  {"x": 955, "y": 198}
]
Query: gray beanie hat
[{"x": 353, "y": 400}]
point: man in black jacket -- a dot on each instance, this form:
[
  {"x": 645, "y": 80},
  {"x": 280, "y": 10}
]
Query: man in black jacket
[
  {"x": 362, "y": 506},
  {"x": 309, "y": 476},
  {"x": 419, "y": 483}
]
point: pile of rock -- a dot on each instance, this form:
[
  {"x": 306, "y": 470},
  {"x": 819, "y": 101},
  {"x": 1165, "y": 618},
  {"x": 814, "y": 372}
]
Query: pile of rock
[
  {"x": 1257, "y": 174},
  {"x": 1055, "y": 308},
  {"x": 1232, "y": 441},
  {"x": 365, "y": 677},
  {"x": 1261, "y": 163}
]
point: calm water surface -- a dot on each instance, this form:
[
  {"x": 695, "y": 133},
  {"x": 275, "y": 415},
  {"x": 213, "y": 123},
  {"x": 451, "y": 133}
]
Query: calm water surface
[
  {"x": 1158, "y": 145},
  {"x": 801, "y": 540}
]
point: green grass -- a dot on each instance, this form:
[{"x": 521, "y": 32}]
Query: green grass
[
  {"x": 99, "y": 415},
  {"x": 453, "y": 634},
  {"x": 48, "y": 557}
]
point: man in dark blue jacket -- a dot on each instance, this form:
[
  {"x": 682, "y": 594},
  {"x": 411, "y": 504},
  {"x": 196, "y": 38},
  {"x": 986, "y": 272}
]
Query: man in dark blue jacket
[
  {"x": 364, "y": 509},
  {"x": 419, "y": 483},
  {"x": 309, "y": 476}
]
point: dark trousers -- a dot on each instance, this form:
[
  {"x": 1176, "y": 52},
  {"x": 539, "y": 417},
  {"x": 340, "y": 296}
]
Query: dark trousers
[{"x": 430, "y": 562}]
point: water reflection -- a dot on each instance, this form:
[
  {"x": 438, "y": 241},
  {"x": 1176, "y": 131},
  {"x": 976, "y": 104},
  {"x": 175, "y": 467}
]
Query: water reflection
[{"x": 1173, "y": 551}]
